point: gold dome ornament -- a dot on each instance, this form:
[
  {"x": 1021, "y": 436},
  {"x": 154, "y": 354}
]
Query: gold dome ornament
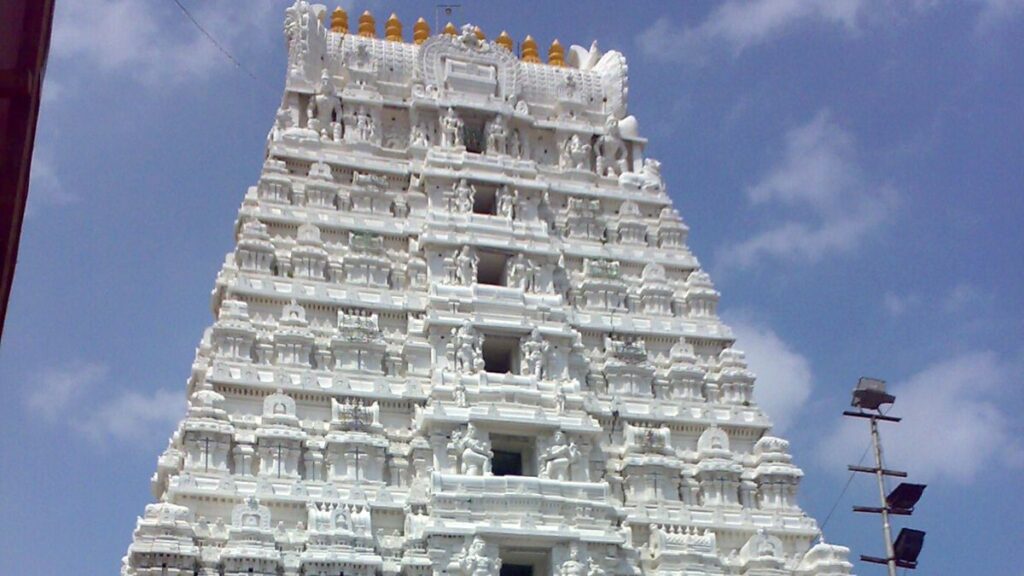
[
  {"x": 339, "y": 21},
  {"x": 367, "y": 25},
  {"x": 479, "y": 33},
  {"x": 450, "y": 29},
  {"x": 420, "y": 31},
  {"x": 504, "y": 40},
  {"x": 393, "y": 29},
  {"x": 529, "y": 51},
  {"x": 556, "y": 54}
]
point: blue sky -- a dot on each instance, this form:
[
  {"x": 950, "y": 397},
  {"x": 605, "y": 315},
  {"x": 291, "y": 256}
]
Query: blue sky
[{"x": 852, "y": 172}]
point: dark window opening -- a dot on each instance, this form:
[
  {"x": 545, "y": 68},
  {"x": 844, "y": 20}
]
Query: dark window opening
[
  {"x": 499, "y": 354},
  {"x": 473, "y": 135},
  {"x": 491, "y": 268},
  {"x": 513, "y": 455},
  {"x": 505, "y": 463},
  {"x": 483, "y": 201},
  {"x": 516, "y": 570}
]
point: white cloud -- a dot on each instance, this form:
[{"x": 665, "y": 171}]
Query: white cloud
[
  {"x": 76, "y": 396},
  {"x": 52, "y": 90},
  {"x": 832, "y": 208},
  {"x": 954, "y": 425},
  {"x": 895, "y": 305},
  {"x": 132, "y": 417},
  {"x": 784, "y": 378},
  {"x": 900, "y": 304},
  {"x": 45, "y": 186},
  {"x": 995, "y": 13},
  {"x": 155, "y": 42},
  {"x": 53, "y": 391},
  {"x": 736, "y": 26},
  {"x": 961, "y": 297}
]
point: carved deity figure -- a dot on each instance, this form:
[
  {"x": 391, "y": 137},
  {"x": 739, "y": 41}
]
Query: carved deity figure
[
  {"x": 324, "y": 109},
  {"x": 535, "y": 355},
  {"x": 451, "y": 129},
  {"x": 467, "y": 349},
  {"x": 556, "y": 460},
  {"x": 468, "y": 36},
  {"x": 653, "y": 182},
  {"x": 517, "y": 272},
  {"x": 507, "y": 201},
  {"x": 474, "y": 560},
  {"x": 560, "y": 278},
  {"x": 575, "y": 154},
  {"x": 611, "y": 150},
  {"x": 418, "y": 136},
  {"x": 466, "y": 265},
  {"x": 415, "y": 522},
  {"x": 515, "y": 144},
  {"x": 304, "y": 35},
  {"x": 282, "y": 122},
  {"x": 362, "y": 523},
  {"x": 459, "y": 394},
  {"x": 497, "y": 134},
  {"x": 366, "y": 128},
  {"x": 655, "y": 440},
  {"x": 464, "y": 194},
  {"x": 572, "y": 565},
  {"x": 560, "y": 401},
  {"x": 475, "y": 453}
]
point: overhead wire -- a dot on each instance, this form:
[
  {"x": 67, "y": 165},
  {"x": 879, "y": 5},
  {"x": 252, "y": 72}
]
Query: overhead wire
[
  {"x": 849, "y": 480},
  {"x": 238, "y": 64},
  {"x": 846, "y": 487}
]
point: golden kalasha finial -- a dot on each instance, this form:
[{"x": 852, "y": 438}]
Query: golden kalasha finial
[
  {"x": 529, "y": 51},
  {"x": 339, "y": 21},
  {"x": 420, "y": 31},
  {"x": 393, "y": 29},
  {"x": 504, "y": 40},
  {"x": 479, "y": 33},
  {"x": 556, "y": 54},
  {"x": 450, "y": 30},
  {"x": 367, "y": 25}
]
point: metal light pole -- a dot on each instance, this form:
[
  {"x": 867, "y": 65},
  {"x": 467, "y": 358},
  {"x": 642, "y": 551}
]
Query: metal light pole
[
  {"x": 870, "y": 394},
  {"x": 880, "y": 476}
]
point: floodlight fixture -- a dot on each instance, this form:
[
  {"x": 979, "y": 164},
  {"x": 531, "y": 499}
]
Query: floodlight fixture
[
  {"x": 870, "y": 394},
  {"x": 908, "y": 547},
  {"x": 904, "y": 497}
]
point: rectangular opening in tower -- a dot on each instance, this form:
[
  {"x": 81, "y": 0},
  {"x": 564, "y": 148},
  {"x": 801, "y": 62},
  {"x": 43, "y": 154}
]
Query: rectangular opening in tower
[
  {"x": 491, "y": 268},
  {"x": 506, "y": 463},
  {"x": 500, "y": 354},
  {"x": 484, "y": 201},
  {"x": 473, "y": 133},
  {"x": 516, "y": 570},
  {"x": 516, "y": 561},
  {"x": 513, "y": 455}
]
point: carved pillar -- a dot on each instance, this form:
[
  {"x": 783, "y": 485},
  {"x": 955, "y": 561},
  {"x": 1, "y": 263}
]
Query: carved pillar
[
  {"x": 748, "y": 491},
  {"x": 580, "y": 470},
  {"x": 399, "y": 470},
  {"x": 313, "y": 460},
  {"x": 243, "y": 455},
  {"x": 443, "y": 461}
]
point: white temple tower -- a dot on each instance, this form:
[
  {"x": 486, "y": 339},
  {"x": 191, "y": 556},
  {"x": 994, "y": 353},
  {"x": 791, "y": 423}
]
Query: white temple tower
[{"x": 461, "y": 334}]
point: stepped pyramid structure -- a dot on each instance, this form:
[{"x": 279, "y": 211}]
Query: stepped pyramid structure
[{"x": 461, "y": 334}]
